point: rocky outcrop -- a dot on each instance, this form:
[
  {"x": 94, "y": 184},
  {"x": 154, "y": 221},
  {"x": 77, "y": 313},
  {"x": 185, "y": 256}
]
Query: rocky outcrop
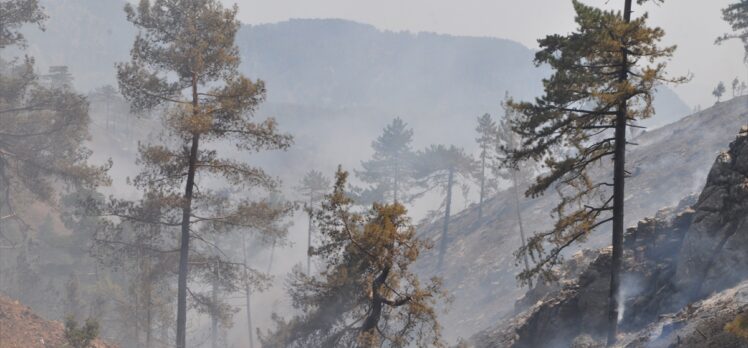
[
  {"x": 682, "y": 255},
  {"x": 577, "y": 310},
  {"x": 715, "y": 250},
  {"x": 702, "y": 324}
]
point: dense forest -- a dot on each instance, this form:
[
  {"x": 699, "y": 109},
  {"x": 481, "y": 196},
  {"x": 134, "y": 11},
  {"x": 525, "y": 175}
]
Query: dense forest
[{"x": 173, "y": 177}]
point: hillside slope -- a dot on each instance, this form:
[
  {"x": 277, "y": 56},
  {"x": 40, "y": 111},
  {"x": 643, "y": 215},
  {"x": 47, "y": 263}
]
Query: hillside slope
[
  {"x": 673, "y": 264},
  {"x": 21, "y": 328},
  {"x": 668, "y": 164}
]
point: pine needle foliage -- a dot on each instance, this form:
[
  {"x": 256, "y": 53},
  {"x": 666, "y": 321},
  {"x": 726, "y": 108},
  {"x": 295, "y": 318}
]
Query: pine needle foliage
[
  {"x": 366, "y": 296},
  {"x": 570, "y": 128},
  {"x": 184, "y": 59},
  {"x": 736, "y": 14}
]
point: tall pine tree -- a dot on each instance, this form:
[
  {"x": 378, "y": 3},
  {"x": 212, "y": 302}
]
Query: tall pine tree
[
  {"x": 313, "y": 186},
  {"x": 605, "y": 73},
  {"x": 389, "y": 173},
  {"x": 43, "y": 130},
  {"x": 486, "y": 130},
  {"x": 519, "y": 174},
  {"x": 441, "y": 168},
  {"x": 184, "y": 56}
]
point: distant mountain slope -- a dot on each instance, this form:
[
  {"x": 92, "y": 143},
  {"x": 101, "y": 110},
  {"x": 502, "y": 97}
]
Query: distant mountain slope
[
  {"x": 668, "y": 164},
  {"x": 342, "y": 63},
  {"x": 327, "y": 63},
  {"x": 331, "y": 82}
]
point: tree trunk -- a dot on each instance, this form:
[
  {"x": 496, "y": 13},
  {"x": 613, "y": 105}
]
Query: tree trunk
[
  {"x": 148, "y": 304},
  {"x": 214, "y": 310},
  {"x": 482, "y": 184},
  {"x": 272, "y": 252},
  {"x": 396, "y": 189},
  {"x": 515, "y": 182},
  {"x": 443, "y": 244},
  {"x": 136, "y": 315},
  {"x": 247, "y": 293},
  {"x": 184, "y": 250},
  {"x": 377, "y": 302},
  {"x": 619, "y": 177},
  {"x": 309, "y": 237}
]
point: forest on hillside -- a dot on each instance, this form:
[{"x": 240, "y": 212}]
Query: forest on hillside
[{"x": 171, "y": 176}]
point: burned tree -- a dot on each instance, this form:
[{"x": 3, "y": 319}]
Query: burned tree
[{"x": 366, "y": 296}]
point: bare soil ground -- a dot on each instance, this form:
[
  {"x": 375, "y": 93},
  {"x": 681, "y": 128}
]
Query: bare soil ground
[{"x": 21, "y": 328}]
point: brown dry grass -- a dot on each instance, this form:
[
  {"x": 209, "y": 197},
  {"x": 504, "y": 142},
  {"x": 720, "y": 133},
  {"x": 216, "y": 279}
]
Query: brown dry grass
[{"x": 21, "y": 328}]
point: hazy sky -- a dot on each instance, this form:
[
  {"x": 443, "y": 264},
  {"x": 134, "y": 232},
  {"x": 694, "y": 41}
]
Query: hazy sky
[{"x": 691, "y": 24}]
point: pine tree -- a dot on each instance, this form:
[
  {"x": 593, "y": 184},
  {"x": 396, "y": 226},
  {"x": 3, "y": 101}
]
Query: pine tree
[
  {"x": 185, "y": 56},
  {"x": 42, "y": 153},
  {"x": 59, "y": 77},
  {"x": 366, "y": 296},
  {"x": 518, "y": 174},
  {"x": 735, "y": 87},
  {"x": 440, "y": 167},
  {"x": 141, "y": 251},
  {"x": 42, "y": 129},
  {"x": 719, "y": 91},
  {"x": 389, "y": 173},
  {"x": 486, "y": 130},
  {"x": 312, "y": 186},
  {"x": 736, "y": 14},
  {"x": 604, "y": 77},
  {"x": 110, "y": 98},
  {"x": 14, "y": 14}
]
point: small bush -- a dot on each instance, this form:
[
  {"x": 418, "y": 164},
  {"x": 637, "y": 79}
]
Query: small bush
[
  {"x": 739, "y": 326},
  {"x": 80, "y": 337}
]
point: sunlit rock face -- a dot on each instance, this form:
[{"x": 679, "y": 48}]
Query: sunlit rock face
[{"x": 674, "y": 263}]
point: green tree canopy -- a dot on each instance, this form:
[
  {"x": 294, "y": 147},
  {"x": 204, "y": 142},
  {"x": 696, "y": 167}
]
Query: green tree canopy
[{"x": 389, "y": 172}]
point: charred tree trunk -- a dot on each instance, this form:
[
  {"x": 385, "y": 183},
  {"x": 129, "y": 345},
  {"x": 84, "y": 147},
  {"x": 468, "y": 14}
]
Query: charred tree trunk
[
  {"x": 515, "y": 182},
  {"x": 184, "y": 250},
  {"x": 619, "y": 177},
  {"x": 309, "y": 237},
  {"x": 377, "y": 302},
  {"x": 443, "y": 243}
]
